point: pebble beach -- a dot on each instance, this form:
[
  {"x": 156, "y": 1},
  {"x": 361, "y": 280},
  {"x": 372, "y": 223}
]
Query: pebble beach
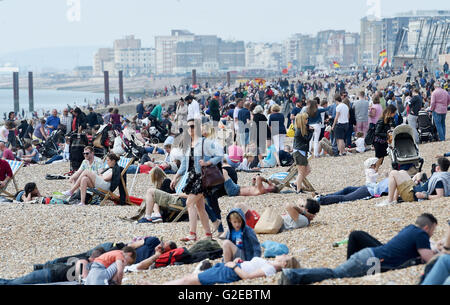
[{"x": 31, "y": 234}]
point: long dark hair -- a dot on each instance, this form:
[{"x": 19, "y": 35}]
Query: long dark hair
[{"x": 29, "y": 188}]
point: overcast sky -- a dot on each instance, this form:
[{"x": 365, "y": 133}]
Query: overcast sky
[{"x": 29, "y": 24}]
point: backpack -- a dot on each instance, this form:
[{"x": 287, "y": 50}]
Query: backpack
[{"x": 171, "y": 257}]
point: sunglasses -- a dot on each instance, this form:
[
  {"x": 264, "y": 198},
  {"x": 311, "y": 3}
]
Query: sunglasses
[
  {"x": 191, "y": 126},
  {"x": 86, "y": 153}
]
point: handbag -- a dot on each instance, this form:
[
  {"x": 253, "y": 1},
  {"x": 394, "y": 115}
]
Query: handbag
[
  {"x": 211, "y": 175},
  {"x": 291, "y": 131}
]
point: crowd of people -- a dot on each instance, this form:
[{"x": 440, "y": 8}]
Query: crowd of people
[{"x": 206, "y": 140}]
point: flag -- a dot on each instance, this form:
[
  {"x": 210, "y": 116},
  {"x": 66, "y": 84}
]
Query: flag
[
  {"x": 285, "y": 71},
  {"x": 289, "y": 66},
  {"x": 383, "y": 62},
  {"x": 383, "y": 53},
  {"x": 336, "y": 64}
]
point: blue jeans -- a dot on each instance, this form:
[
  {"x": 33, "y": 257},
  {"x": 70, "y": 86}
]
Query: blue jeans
[
  {"x": 54, "y": 158},
  {"x": 439, "y": 121},
  {"x": 440, "y": 273},
  {"x": 447, "y": 155},
  {"x": 132, "y": 169},
  {"x": 348, "y": 194},
  {"x": 150, "y": 150},
  {"x": 43, "y": 276},
  {"x": 356, "y": 266},
  {"x": 213, "y": 215}
]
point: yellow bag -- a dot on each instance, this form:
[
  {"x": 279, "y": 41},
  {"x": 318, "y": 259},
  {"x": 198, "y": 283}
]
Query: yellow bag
[
  {"x": 291, "y": 131},
  {"x": 270, "y": 222}
]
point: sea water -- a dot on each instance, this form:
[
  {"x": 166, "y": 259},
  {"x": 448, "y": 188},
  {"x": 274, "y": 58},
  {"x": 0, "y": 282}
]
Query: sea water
[{"x": 49, "y": 99}]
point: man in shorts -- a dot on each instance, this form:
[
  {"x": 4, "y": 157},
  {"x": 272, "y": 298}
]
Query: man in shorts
[
  {"x": 341, "y": 124},
  {"x": 410, "y": 190},
  {"x": 234, "y": 190}
]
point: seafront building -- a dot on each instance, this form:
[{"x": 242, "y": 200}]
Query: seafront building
[
  {"x": 183, "y": 51},
  {"x": 405, "y": 34},
  {"x": 127, "y": 55}
]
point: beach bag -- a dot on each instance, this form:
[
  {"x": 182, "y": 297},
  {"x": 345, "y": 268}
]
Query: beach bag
[
  {"x": 291, "y": 131},
  {"x": 274, "y": 249},
  {"x": 269, "y": 223},
  {"x": 171, "y": 257}
]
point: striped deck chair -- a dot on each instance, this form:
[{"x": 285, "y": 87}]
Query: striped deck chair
[
  {"x": 283, "y": 180},
  {"x": 15, "y": 168},
  {"x": 173, "y": 209},
  {"x": 125, "y": 164},
  {"x": 179, "y": 190}
]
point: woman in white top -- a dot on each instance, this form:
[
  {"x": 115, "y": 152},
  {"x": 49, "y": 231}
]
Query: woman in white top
[
  {"x": 90, "y": 179},
  {"x": 238, "y": 270}
]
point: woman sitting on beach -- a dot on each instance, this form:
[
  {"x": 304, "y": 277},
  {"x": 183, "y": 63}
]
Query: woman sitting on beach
[
  {"x": 29, "y": 193},
  {"x": 89, "y": 179}
]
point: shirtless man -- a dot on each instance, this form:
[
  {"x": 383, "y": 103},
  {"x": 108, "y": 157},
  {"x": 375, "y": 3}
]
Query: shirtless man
[{"x": 258, "y": 188}]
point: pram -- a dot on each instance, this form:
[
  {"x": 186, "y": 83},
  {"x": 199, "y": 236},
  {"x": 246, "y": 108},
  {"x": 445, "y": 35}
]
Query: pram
[
  {"x": 157, "y": 133},
  {"x": 102, "y": 140},
  {"x": 426, "y": 127},
  {"x": 404, "y": 150},
  {"x": 132, "y": 149},
  {"x": 49, "y": 147}
]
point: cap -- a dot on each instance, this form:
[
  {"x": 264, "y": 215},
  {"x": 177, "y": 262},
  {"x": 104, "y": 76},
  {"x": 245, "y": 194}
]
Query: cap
[{"x": 217, "y": 94}]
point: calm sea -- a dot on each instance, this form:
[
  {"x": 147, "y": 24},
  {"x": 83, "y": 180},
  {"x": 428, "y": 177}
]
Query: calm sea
[{"x": 48, "y": 99}]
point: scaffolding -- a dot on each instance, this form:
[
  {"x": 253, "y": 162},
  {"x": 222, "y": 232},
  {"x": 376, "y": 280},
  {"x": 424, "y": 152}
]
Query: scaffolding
[{"x": 423, "y": 41}]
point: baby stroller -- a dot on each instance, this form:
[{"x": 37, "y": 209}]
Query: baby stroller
[
  {"x": 132, "y": 149},
  {"x": 49, "y": 147},
  {"x": 102, "y": 140},
  {"x": 157, "y": 134},
  {"x": 403, "y": 149},
  {"x": 426, "y": 128}
]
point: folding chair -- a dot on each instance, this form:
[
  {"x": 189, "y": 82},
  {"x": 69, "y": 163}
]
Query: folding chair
[
  {"x": 125, "y": 164},
  {"x": 16, "y": 166},
  {"x": 173, "y": 209},
  {"x": 283, "y": 179},
  {"x": 176, "y": 208}
]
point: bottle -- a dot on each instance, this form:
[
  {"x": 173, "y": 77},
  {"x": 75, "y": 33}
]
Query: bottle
[{"x": 340, "y": 243}]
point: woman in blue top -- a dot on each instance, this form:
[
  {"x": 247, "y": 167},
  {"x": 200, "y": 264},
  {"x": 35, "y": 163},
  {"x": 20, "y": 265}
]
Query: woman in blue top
[
  {"x": 277, "y": 128},
  {"x": 199, "y": 152},
  {"x": 315, "y": 122}
]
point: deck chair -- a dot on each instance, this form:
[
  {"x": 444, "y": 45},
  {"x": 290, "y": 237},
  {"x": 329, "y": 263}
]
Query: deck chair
[
  {"x": 283, "y": 180},
  {"x": 176, "y": 208},
  {"x": 108, "y": 195},
  {"x": 176, "y": 211},
  {"x": 16, "y": 166}
]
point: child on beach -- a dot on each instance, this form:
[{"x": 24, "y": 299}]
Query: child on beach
[
  {"x": 360, "y": 144},
  {"x": 241, "y": 241}
]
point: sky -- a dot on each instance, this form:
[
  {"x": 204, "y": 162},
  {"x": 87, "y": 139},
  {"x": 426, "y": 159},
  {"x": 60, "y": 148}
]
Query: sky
[{"x": 33, "y": 24}]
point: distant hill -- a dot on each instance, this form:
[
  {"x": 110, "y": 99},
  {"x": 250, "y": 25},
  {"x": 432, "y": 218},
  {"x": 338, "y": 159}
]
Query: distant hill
[{"x": 50, "y": 59}]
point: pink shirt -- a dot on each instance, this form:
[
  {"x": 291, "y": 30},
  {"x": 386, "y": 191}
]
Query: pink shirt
[
  {"x": 440, "y": 100},
  {"x": 378, "y": 113},
  {"x": 235, "y": 153}
]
